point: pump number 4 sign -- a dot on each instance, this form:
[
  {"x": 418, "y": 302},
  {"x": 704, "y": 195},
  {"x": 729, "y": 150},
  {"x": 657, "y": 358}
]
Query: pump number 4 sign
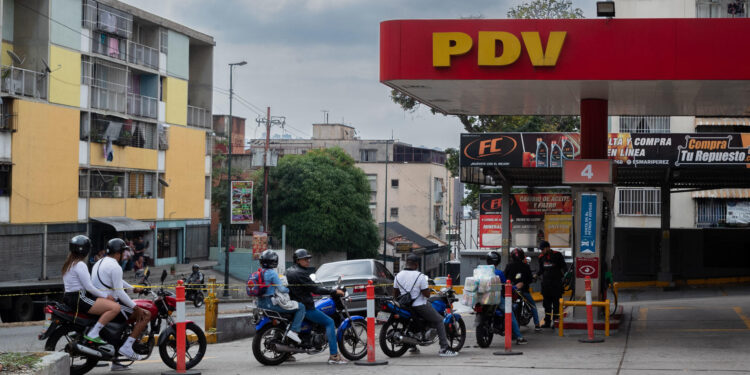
[{"x": 587, "y": 171}]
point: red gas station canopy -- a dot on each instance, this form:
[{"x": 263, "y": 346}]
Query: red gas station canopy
[{"x": 641, "y": 66}]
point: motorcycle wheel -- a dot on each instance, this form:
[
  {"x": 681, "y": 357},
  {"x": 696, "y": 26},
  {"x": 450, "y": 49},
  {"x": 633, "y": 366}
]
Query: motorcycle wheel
[
  {"x": 195, "y": 348},
  {"x": 484, "y": 335},
  {"x": 58, "y": 342},
  {"x": 456, "y": 333},
  {"x": 524, "y": 315},
  {"x": 198, "y": 299},
  {"x": 263, "y": 345},
  {"x": 353, "y": 342},
  {"x": 387, "y": 341}
]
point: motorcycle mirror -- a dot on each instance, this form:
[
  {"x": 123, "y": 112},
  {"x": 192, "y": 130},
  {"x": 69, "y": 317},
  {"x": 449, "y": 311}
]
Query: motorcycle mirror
[
  {"x": 339, "y": 280},
  {"x": 313, "y": 277},
  {"x": 163, "y": 275}
]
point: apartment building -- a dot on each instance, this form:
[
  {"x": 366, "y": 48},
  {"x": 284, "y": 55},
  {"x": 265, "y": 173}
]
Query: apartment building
[
  {"x": 701, "y": 229},
  {"x": 419, "y": 187},
  {"x": 105, "y": 114}
]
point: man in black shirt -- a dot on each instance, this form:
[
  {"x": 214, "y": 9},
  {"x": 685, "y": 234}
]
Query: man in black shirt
[
  {"x": 551, "y": 269},
  {"x": 519, "y": 273}
]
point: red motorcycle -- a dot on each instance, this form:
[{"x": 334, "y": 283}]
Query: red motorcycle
[{"x": 64, "y": 331}]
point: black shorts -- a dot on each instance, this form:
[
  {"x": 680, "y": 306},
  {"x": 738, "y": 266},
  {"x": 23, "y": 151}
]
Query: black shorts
[
  {"x": 80, "y": 301},
  {"x": 124, "y": 315}
]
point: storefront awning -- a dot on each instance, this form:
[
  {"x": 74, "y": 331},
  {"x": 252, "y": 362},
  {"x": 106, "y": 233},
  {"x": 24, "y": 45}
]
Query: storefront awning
[
  {"x": 123, "y": 224},
  {"x": 722, "y": 121},
  {"x": 722, "y": 193}
]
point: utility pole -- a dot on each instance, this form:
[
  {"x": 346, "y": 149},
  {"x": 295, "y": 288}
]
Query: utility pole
[
  {"x": 385, "y": 212},
  {"x": 229, "y": 179},
  {"x": 265, "y": 169}
]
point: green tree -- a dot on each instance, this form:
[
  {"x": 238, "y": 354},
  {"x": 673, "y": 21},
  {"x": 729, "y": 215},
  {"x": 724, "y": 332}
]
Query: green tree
[
  {"x": 323, "y": 199},
  {"x": 540, "y": 9}
]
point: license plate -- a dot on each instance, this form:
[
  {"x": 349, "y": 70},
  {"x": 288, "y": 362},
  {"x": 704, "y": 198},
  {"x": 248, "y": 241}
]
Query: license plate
[{"x": 383, "y": 316}]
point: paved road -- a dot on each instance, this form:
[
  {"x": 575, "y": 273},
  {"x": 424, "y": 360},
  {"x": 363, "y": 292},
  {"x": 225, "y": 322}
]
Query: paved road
[{"x": 687, "y": 331}]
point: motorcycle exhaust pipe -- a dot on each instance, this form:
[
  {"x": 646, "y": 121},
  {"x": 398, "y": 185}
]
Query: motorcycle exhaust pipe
[
  {"x": 88, "y": 351},
  {"x": 288, "y": 349},
  {"x": 406, "y": 340}
]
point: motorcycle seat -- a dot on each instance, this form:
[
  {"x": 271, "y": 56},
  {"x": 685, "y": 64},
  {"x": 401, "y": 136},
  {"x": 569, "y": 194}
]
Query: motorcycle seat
[
  {"x": 67, "y": 311},
  {"x": 278, "y": 315}
]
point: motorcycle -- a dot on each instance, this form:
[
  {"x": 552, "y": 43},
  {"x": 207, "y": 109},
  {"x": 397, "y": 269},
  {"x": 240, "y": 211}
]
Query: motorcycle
[
  {"x": 405, "y": 329},
  {"x": 271, "y": 346},
  {"x": 194, "y": 292},
  {"x": 491, "y": 318},
  {"x": 64, "y": 330}
]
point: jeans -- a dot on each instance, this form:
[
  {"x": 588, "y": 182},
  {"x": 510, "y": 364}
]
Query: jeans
[
  {"x": 535, "y": 313},
  {"x": 428, "y": 313},
  {"x": 299, "y": 314},
  {"x": 514, "y": 326},
  {"x": 317, "y": 316}
]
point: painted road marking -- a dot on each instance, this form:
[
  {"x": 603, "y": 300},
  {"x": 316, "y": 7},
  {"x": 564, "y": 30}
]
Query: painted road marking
[{"x": 742, "y": 316}]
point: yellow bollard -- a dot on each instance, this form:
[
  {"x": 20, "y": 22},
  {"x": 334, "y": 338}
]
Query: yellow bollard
[
  {"x": 212, "y": 311},
  {"x": 560, "y": 330}
]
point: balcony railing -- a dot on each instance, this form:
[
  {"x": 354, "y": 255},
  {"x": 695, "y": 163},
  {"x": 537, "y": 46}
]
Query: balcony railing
[
  {"x": 144, "y": 106},
  {"x": 22, "y": 82},
  {"x": 107, "y": 45},
  {"x": 200, "y": 117},
  {"x": 143, "y": 55},
  {"x": 108, "y": 100}
]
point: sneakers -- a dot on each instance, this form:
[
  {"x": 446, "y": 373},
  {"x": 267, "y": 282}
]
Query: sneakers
[
  {"x": 119, "y": 367},
  {"x": 293, "y": 335},
  {"x": 96, "y": 340},
  {"x": 447, "y": 353},
  {"x": 538, "y": 329},
  {"x": 521, "y": 341},
  {"x": 337, "y": 360},
  {"x": 129, "y": 354}
]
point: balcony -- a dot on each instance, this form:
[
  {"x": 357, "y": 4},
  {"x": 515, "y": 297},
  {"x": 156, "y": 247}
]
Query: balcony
[
  {"x": 143, "y": 55},
  {"x": 22, "y": 82},
  {"x": 199, "y": 117},
  {"x": 144, "y": 106},
  {"x": 108, "y": 100},
  {"x": 110, "y": 46}
]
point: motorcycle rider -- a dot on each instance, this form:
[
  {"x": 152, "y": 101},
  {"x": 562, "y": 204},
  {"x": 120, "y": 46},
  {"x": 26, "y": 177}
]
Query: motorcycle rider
[
  {"x": 551, "y": 269},
  {"x": 493, "y": 258},
  {"x": 269, "y": 260},
  {"x": 301, "y": 288},
  {"x": 410, "y": 280},
  {"x": 196, "y": 277},
  {"x": 520, "y": 275},
  {"x": 80, "y": 293},
  {"x": 107, "y": 275}
]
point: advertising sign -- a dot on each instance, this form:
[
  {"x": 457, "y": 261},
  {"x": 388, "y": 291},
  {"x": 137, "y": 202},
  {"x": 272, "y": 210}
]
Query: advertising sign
[
  {"x": 260, "y": 243},
  {"x": 738, "y": 212},
  {"x": 587, "y": 267},
  {"x": 679, "y": 149},
  {"x": 588, "y": 223},
  {"x": 540, "y": 216},
  {"x": 528, "y": 150},
  {"x": 242, "y": 202}
]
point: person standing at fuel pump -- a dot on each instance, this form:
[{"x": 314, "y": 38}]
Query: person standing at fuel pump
[{"x": 551, "y": 270}]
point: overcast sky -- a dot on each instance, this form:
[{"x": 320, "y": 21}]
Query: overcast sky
[{"x": 306, "y": 56}]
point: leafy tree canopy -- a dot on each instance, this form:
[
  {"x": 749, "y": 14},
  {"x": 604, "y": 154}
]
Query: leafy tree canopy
[
  {"x": 323, "y": 199},
  {"x": 540, "y": 9}
]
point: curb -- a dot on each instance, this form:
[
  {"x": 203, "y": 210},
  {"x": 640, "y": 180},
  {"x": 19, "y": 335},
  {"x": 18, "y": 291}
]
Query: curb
[{"x": 54, "y": 363}]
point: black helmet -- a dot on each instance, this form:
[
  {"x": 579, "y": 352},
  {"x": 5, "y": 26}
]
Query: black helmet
[
  {"x": 543, "y": 244},
  {"x": 116, "y": 245},
  {"x": 196, "y": 267},
  {"x": 80, "y": 245},
  {"x": 300, "y": 254},
  {"x": 517, "y": 255},
  {"x": 493, "y": 257},
  {"x": 269, "y": 259},
  {"x": 413, "y": 258}
]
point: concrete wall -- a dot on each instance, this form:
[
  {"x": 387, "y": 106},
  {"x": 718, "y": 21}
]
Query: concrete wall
[
  {"x": 655, "y": 8},
  {"x": 332, "y": 131},
  {"x": 65, "y": 30},
  {"x": 125, "y": 157},
  {"x": 184, "y": 197},
  {"x": 64, "y": 83},
  {"x": 175, "y": 96},
  {"x": 200, "y": 86}
]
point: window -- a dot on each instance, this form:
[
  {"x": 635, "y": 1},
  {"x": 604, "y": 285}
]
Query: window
[
  {"x": 710, "y": 212},
  {"x": 8, "y": 119},
  {"x": 140, "y": 185},
  {"x": 163, "y": 136},
  {"x": 394, "y": 183},
  {"x": 394, "y": 212},
  {"x": 105, "y": 184},
  {"x": 373, "y": 210},
  {"x": 644, "y": 124},
  {"x": 372, "y": 179},
  {"x": 5, "y": 180},
  {"x": 367, "y": 155},
  {"x": 639, "y": 201},
  {"x": 720, "y": 9},
  {"x": 160, "y": 178},
  {"x": 208, "y": 187},
  {"x": 83, "y": 183},
  {"x": 163, "y": 35}
]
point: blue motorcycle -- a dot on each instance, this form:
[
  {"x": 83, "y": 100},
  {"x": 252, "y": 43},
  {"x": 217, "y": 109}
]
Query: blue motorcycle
[
  {"x": 405, "y": 329},
  {"x": 271, "y": 346}
]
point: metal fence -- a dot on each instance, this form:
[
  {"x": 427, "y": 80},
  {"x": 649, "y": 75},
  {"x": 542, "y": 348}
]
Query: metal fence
[
  {"x": 710, "y": 212},
  {"x": 644, "y": 124},
  {"x": 23, "y": 82},
  {"x": 108, "y": 100},
  {"x": 199, "y": 117},
  {"x": 143, "y": 55},
  {"x": 144, "y": 106}
]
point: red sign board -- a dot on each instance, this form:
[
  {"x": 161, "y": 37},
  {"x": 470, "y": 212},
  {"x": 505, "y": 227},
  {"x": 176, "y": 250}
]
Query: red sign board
[
  {"x": 587, "y": 267},
  {"x": 587, "y": 171}
]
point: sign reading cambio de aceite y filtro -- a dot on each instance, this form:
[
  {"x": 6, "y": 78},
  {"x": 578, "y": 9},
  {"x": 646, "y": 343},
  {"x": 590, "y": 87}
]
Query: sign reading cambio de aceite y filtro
[{"x": 546, "y": 216}]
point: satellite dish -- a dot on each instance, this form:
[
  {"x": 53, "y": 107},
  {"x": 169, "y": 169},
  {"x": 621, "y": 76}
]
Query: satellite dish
[
  {"x": 16, "y": 59},
  {"x": 46, "y": 66},
  {"x": 163, "y": 182}
]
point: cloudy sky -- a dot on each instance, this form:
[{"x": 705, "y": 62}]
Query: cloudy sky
[{"x": 306, "y": 56}]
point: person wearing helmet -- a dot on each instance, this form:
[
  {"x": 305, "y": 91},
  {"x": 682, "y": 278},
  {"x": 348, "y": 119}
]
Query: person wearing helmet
[
  {"x": 269, "y": 260},
  {"x": 493, "y": 258},
  {"x": 80, "y": 294},
  {"x": 551, "y": 269},
  {"x": 301, "y": 289},
  {"x": 106, "y": 275},
  {"x": 197, "y": 276},
  {"x": 520, "y": 276}
]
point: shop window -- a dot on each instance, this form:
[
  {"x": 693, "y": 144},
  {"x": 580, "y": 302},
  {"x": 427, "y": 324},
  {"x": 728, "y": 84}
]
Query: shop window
[
  {"x": 639, "y": 201},
  {"x": 5, "y": 180},
  {"x": 166, "y": 243}
]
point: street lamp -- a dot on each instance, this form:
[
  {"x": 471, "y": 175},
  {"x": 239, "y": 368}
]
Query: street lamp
[{"x": 229, "y": 180}]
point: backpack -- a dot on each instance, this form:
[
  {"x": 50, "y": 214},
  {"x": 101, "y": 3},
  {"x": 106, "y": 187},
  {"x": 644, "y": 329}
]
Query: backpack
[
  {"x": 256, "y": 287},
  {"x": 406, "y": 299}
]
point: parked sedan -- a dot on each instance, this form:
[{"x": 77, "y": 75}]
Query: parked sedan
[{"x": 354, "y": 275}]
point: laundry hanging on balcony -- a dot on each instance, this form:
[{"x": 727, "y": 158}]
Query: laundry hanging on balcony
[{"x": 109, "y": 152}]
